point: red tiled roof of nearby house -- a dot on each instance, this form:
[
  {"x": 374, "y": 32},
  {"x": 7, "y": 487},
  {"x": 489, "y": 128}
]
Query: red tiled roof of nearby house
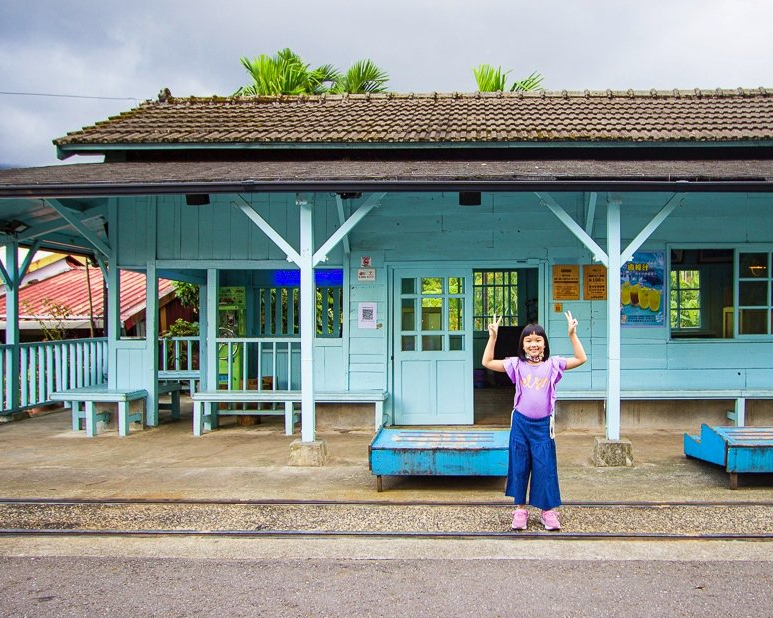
[
  {"x": 70, "y": 290},
  {"x": 479, "y": 118}
]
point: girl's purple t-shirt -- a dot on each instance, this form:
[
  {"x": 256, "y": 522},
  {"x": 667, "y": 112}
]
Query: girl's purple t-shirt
[{"x": 535, "y": 385}]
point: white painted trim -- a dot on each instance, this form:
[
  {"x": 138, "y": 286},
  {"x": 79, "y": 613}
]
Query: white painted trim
[
  {"x": 249, "y": 210},
  {"x": 372, "y": 202},
  {"x": 613, "y": 319},
  {"x": 598, "y": 253},
  {"x": 647, "y": 231},
  {"x": 341, "y": 220},
  {"x": 590, "y": 216},
  {"x": 308, "y": 305}
]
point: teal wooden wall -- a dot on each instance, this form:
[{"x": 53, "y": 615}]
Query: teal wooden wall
[{"x": 508, "y": 230}]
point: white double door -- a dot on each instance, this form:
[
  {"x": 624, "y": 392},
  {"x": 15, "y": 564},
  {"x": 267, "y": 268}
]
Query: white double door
[{"x": 432, "y": 346}]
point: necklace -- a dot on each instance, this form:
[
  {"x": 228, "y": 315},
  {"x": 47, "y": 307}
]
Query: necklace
[{"x": 534, "y": 359}]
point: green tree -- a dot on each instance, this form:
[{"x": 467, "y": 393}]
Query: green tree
[
  {"x": 490, "y": 79},
  {"x": 286, "y": 73},
  {"x": 188, "y": 294}
]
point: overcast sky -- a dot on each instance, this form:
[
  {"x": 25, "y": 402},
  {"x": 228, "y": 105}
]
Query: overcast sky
[{"x": 129, "y": 50}]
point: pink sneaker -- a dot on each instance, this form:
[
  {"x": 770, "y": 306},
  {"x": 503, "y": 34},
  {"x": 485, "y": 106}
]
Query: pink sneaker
[
  {"x": 520, "y": 519},
  {"x": 550, "y": 520}
]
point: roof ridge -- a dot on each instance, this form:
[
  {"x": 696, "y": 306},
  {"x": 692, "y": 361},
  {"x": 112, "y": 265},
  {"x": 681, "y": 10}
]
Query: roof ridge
[{"x": 609, "y": 93}]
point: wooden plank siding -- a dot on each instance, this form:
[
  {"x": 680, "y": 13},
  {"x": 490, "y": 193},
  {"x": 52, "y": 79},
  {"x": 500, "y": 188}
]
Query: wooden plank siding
[{"x": 410, "y": 229}]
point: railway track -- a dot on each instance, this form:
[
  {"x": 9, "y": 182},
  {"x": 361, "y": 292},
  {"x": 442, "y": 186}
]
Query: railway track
[{"x": 734, "y": 520}]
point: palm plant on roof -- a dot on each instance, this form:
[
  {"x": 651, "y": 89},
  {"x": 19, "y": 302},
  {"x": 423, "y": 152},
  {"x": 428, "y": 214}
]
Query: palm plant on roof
[
  {"x": 286, "y": 73},
  {"x": 490, "y": 79},
  {"x": 363, "y": 76}
]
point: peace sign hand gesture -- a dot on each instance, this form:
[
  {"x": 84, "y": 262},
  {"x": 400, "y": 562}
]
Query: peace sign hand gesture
[
  {"x": 493, "y": 328},
  {"x": 571, "y": 323}
]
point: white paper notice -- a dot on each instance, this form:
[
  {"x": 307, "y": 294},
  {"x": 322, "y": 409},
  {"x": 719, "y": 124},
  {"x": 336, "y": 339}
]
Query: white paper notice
[{"x": 366, "y": 315}]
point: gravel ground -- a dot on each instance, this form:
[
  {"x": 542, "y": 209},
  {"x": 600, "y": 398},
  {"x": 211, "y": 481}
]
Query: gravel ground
[{"x": 391, "y": 518}]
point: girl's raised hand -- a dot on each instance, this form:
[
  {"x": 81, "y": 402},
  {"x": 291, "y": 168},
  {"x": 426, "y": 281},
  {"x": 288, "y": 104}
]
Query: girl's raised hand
[
  {"x": 493, "y": 328},
  {"x": 571, "y": 323}
]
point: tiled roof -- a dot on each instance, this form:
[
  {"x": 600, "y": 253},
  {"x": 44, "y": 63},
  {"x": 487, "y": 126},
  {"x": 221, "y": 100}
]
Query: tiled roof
[
  {"x": 69, "y": 288},
  {"x": 232, "y": 176},
  {"x": 478, "y": 118}
]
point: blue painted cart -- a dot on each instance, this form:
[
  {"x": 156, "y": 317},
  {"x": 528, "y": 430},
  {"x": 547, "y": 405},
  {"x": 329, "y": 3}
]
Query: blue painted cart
[
  {"x": 739, "y": 449},
  {"x": 442, "y": 451}
]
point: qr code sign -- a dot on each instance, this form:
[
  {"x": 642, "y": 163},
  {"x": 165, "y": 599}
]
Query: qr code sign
[{"x": 367, "y": 314}]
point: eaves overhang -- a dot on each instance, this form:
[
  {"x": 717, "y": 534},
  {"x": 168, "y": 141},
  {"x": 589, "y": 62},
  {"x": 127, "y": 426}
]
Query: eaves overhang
[
  {"x": 614, "y": 186},
  {"x": 69, "y": 150},
  {"x": 413, "y": 175}
]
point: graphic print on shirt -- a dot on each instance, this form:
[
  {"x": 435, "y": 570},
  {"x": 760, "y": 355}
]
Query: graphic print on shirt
[{"x": 534, "y": 382}]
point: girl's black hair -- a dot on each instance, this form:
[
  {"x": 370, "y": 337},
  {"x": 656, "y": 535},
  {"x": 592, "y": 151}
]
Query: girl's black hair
[{"x": 533, "y": 329}]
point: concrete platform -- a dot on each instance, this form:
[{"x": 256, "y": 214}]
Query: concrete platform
[{"x": 42, "y": 457}]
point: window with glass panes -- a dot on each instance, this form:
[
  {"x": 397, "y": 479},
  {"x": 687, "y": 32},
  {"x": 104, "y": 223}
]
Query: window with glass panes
[
  {"x": 495, "y": 291},
  {"x": 685, "y": 299},
  {"x": 432, "y": 314},
  {"x": 755, "y": 293}
]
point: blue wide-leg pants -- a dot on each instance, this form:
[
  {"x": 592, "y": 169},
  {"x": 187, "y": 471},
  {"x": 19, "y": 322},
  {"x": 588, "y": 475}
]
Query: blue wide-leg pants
[{"x": 532, "y": 457}]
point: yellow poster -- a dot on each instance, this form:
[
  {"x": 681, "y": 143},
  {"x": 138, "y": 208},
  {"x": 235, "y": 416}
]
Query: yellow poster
[
  {"x": 594, "y": 284},
  {"x": 566, "y": 282}
]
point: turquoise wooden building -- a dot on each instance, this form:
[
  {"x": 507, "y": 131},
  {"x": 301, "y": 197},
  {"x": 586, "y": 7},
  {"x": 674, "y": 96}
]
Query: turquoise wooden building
[{"x": 363, "y": 241}]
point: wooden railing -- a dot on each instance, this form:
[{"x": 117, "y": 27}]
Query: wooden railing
[
  {"x": 266, "y": 363},
  {"x": 178, "y": 355},
  {"x": 50, "y": 366},
  {"x": 255, "y": 364},
  {"x": 244, "y": 363}
]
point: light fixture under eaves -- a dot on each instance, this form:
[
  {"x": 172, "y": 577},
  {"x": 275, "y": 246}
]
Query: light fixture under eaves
[
  {"x": 469, "y": 198},
  {"x": 197, "y": 199},
  {"x": 14, "y": 226}
]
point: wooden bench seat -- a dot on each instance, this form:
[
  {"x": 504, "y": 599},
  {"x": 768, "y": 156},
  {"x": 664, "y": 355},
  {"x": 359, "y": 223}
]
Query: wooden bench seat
[
  {"x": 83, "y": 404},
  {"x": 737, "y": 395},
  {"x": 739, "y": 450},
  {"x": 205, "y": 412},
  {"x": 191, "y": 377}
]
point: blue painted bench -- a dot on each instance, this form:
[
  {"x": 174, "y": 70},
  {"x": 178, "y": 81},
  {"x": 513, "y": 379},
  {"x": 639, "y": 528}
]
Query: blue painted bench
[
  {"x": 738, "y": 449},
  {"x": 469, "y": 451},
  {"x": 191, "y": 377},
  {"x": 737, "y": 395},
  {"x": 206, "y": 413},
  {"x": 83, "y": 404}
]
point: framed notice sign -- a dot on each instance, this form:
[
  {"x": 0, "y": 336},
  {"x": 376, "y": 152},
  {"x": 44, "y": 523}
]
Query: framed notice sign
[
  {"x": 566, "y": 282},
  {"x": 594, "y": 282}
]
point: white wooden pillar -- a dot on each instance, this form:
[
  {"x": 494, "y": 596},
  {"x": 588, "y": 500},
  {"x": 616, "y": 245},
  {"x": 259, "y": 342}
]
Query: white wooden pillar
[
  {"x": 613, "y": 317},
  {"x": 151, "y": 343},
  {"x": 209, "y": 375},
  {"x": 11, "y": 274},
  {"x": 113, "y": 310},
  {"x": 308, "y": 308},
  {"x": 204, "y": 320}
]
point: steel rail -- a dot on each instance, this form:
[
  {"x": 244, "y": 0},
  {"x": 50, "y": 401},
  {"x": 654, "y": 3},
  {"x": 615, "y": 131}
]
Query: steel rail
[
  {"x": 439, "y": 503},
  {"x": 511, "y": 535}
]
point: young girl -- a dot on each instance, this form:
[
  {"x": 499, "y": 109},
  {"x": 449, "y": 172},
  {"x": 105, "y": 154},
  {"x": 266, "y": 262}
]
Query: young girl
[{"x": 532, "y": 441}]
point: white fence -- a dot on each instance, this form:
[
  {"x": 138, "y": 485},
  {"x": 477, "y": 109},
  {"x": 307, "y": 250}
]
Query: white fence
[
  {"x": 266, "y": 363},
  {"x": 243, "y": 363},
  {"x": 50, "y": 366}
]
